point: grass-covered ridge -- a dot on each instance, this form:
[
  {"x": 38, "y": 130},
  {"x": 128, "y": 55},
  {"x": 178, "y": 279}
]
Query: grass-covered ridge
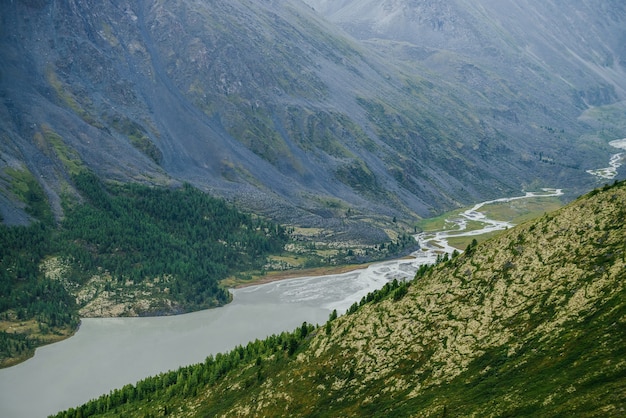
[{"x": 530, "y": 323}]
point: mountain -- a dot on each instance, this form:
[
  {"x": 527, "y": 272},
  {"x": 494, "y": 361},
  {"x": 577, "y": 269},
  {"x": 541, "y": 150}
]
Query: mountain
[
  {"x": 295, "y": 116},
  {"x": 529, "y": 323},
  {"x": 562, "y": 46}
]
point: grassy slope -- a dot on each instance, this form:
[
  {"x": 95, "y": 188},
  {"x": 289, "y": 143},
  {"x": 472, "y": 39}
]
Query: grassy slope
[{"x": 531, "y": 324}]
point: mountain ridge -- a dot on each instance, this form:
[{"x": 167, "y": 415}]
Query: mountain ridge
[{"x": 272, "y": 107}]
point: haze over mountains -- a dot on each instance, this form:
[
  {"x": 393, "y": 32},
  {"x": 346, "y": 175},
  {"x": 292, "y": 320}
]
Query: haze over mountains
[{"x": 301, "y": 112}]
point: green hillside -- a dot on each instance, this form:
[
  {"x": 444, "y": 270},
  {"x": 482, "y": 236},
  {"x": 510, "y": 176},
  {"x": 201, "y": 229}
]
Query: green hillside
[{"x": 530, "y": 323}]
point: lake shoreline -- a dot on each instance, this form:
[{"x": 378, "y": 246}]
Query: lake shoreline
[
  {"x": 117, "y": 351},
  {"x": 275, "y": 276},
  {"x": 269, "y": 277}
]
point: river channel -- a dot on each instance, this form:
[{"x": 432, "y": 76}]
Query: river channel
[
  {"x": 107, "y": 353},
  {"x": 615, "y": 162}
]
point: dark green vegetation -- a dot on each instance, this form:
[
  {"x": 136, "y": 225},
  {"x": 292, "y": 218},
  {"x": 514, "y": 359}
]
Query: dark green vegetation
[
  {"x": 530, "y": 323},
  {"x": 138, "y": 233},
  {"x": 131, "y": 249},
  {"x": 33, "y": 310},
  {"x": 173, "y": 246},
  {"x": 28, "y": 190}
]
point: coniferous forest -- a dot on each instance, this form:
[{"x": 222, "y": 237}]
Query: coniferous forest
[
  {"x": 134, "y": 233},
  {"x": 137, "y": 232}
]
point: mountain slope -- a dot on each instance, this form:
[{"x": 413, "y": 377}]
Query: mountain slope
[
  {"x": 529, "y": 323},
  {"x": 545, "y": 39},
  {"x": 271, "y": 106},
  {"x": 535, "y": 49}
]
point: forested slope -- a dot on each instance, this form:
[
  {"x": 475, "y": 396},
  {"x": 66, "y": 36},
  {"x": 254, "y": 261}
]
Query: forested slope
[
  {"x": 184, "y": 238},
  {"x": 122, "y": 250},
  {"x": 530, "y": 323}
]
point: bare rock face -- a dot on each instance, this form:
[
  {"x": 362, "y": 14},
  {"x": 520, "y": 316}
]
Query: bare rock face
[{"x": 395, "y": 108}]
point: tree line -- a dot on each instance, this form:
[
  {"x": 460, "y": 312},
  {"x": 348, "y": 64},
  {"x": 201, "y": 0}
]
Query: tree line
[
  {"x": 170, "y": 387},
  {"x": 25, "y": 294}
]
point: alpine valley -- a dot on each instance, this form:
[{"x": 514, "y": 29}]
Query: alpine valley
[
  {"x": 154, "y": 153},
  {"x": 528, "y": 324}
]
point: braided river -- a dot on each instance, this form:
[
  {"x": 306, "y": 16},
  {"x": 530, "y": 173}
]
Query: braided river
[{"x": 107, "y": 353}]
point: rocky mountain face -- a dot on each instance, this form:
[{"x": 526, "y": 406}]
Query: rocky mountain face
[
  {"x": 395, "y": 109},
  {"x": 530, "y": 323}
]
